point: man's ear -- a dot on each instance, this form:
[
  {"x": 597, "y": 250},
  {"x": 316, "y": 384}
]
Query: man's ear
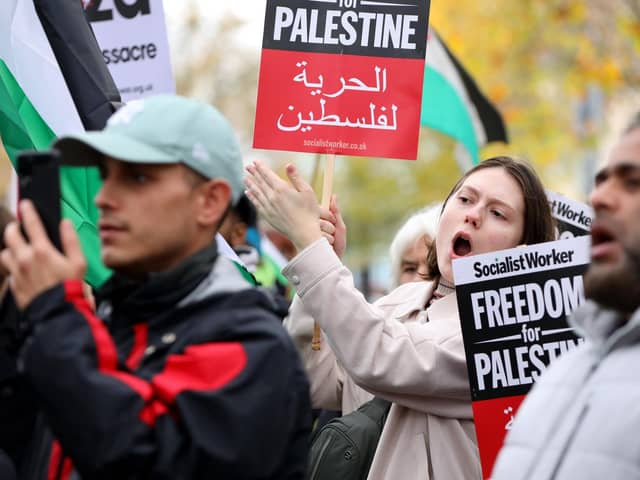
[{"x": 214, "y": 198}]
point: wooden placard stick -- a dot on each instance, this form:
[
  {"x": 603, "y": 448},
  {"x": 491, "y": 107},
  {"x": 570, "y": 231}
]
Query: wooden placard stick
[{"x": 327, "y": 187}]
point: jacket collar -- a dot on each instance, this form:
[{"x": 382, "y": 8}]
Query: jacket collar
[
  {"x": 605, "y": 327},
  {"x": 417, "y": 296},
  {"x": 226, "y": 276},
  {"x": 140, "y": 299},
  {"x": 446, "y": 306}
]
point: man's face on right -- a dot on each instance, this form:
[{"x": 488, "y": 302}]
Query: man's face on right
[{"x": 613, "y": 278}]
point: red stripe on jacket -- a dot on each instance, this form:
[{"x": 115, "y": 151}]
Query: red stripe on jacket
[
  {"x": 202, "y": 367},
  {"x": 106, "y": 349},
  {"x": 140, "y": 338},
  {"x": 57, "y": 456}
]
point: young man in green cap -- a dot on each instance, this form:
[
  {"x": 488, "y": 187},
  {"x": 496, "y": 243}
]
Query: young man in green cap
[{"x": 185, "y": 372}]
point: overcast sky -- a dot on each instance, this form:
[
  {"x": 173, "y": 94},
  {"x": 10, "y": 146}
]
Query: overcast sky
[{"x": 251, "y": 10}]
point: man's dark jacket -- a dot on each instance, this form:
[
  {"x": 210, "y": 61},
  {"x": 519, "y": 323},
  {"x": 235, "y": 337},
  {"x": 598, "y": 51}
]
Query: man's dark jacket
[{"x": 188, "y": 375}]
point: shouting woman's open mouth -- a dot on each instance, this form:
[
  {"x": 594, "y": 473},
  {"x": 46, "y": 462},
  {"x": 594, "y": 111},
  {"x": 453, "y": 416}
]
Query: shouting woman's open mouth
[{"x": 461, "y": 245}]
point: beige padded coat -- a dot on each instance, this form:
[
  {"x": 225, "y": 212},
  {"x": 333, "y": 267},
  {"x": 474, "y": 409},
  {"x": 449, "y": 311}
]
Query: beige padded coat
[{"x": 388, "y": 349}]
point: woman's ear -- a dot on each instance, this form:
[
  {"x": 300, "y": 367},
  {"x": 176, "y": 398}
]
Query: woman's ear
[{"x": 214, "y": 199}]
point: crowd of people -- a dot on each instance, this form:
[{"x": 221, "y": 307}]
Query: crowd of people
[{"x": 184, "y": 366}]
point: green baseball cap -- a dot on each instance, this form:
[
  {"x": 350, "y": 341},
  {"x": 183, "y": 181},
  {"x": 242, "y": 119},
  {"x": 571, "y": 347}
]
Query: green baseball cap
[{"x": 162, "y": 129}]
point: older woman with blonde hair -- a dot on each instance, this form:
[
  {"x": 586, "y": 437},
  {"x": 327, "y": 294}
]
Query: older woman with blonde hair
[{"x": 410, "y": 245}]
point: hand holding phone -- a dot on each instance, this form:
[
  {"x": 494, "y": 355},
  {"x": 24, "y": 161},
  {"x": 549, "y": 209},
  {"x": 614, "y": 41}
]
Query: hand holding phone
[
  {"x": 39, "y": 181},
  {"x": 34, "y": 270},
  {"x": 37, "y": 266}
]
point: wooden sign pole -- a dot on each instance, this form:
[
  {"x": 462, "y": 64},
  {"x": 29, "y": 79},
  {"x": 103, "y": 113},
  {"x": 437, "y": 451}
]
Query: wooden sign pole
[{"x": 327, "y": 187}]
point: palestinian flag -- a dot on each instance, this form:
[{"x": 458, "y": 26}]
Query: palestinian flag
[
  {"x": 53, "y": 81},
  {"x": 453, "y": 104}
]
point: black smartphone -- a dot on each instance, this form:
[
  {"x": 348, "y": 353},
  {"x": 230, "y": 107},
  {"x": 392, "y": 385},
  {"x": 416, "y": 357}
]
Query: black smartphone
[{"x": 39, "y": 181}]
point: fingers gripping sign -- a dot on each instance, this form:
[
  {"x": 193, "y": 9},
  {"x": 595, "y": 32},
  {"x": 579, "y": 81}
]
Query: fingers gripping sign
[
  {"x": 36, "y": 265},
  {"x": 291, "y": 208},
  {"x": 333, "y": 227},
  {"x": 340, "y": 235},
  {"x": 327, "y": 224},
  {"x": 328, "y": 230}
]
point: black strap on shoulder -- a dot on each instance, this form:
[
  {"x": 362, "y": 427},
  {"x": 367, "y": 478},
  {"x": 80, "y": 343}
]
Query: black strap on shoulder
[{"x": 376, "y": 409}]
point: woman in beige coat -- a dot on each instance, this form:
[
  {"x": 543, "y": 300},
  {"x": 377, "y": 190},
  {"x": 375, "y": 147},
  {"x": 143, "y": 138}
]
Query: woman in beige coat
[{"x": 407, "y": 347}]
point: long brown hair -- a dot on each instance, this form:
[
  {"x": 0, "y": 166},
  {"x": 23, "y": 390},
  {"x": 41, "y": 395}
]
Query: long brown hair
[{"x": 539, "y": 225}]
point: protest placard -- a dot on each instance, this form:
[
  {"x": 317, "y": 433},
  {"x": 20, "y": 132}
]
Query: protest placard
[
  {"x": 513, "y": 307},
  {"x": 133, "y": 38},
  {"x": 342, "y": 77},
  {"x": 573, "y": 218}
]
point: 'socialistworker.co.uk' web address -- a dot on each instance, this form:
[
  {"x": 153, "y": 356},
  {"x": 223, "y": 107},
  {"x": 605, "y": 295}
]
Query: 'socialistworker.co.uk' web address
[{"x": 334, "y": 144}]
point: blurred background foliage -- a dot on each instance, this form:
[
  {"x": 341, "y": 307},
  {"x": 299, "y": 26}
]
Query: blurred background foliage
[{"x": 564, "y": 73}]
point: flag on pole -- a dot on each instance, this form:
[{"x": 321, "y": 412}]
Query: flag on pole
[
  {"x": 453, "y": 104},
  {"x": 53, "y": 81}
]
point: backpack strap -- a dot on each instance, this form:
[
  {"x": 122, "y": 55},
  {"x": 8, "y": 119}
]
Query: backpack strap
[{"x": 376, "y": 409}]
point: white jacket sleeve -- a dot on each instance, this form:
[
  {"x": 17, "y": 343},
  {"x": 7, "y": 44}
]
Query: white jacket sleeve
[
  {"x": 326, "y": 377},
  {"x": 418, "y": 365}
]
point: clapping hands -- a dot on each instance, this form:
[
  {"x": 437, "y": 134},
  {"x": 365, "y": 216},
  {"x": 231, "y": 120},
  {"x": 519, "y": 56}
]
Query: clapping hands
[{"x": 292, "y": 207}]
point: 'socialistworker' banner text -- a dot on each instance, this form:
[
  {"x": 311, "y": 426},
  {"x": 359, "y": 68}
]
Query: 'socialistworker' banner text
[
  {"x": 573, "y": 219},
  {"x": 342, "y": 76},
  {"x": 513, "y": 308}
]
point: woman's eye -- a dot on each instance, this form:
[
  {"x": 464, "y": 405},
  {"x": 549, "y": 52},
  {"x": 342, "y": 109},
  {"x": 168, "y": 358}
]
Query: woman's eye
[
  {"x": 463, "y": 199},
  {"x": 497, "y": 214},
  {"x": 632, "y": 183}
]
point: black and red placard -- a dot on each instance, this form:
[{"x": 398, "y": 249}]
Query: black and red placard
[{"x": 513, "y": 308}]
